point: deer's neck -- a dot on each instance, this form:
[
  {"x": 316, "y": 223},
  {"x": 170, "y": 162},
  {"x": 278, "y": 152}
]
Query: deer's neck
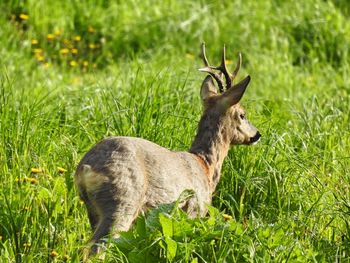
[{"x": 211, "y": 144}]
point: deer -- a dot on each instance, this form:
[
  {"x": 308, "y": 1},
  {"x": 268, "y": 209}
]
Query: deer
[{"x": 122, "y": 177}]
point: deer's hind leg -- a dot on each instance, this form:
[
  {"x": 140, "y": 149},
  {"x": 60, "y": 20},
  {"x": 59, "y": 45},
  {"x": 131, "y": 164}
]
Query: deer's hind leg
[
  {"x": 92, "y": 213},
  {"x": 117, "y": 204}
]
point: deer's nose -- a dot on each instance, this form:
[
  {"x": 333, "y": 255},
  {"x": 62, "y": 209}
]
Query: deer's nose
[{"x": 255, "y": 138}]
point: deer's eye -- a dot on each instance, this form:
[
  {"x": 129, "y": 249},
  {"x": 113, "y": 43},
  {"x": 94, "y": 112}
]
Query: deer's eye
[{"x": 242, "y": 116}]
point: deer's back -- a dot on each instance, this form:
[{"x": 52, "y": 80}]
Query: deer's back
[{"x": 140, "y": 166}]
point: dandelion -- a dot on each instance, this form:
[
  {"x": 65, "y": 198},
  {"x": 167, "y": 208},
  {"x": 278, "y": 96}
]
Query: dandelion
[
  {"x": 61, "y": 170},
  {"x": 50, "y": 37},
  {"x": 35, "y": 42},
  {"x": 64, "y": 51},
  {"x": 24, "y": 16},
  {"x": 32, "y": 180},
  {"x": 37, "y": 50},
  {"x": 92, "y": 46},
  {"x": 85, "y": 63},
  {"x": 40, "y": 58},
  {"x": 74, "y": 51},
  {"x": 53, "y": 254},
  {"x": 227, "y": 217},
  {"x": 94, "y": 65},
  {"x": 190, "y": 56},
  {"x": 58, "y": 33},
  {"x": 47, "y": 65},
  {"x": 73, "y": 63},
  {"x": 36, "y": 170},
  {"x": 91, "y": 29},
  {"x": 77, "y": 38}
]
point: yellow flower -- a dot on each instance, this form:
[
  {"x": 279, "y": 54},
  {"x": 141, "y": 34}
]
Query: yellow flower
[
  {"x": 35, "y": 42},
  {"x": 85, "y": 63},
  {"x": 53, "y": 254},
  {"x": 74, "y": 51},
  {"x": 91, "y": 29},
  {"x": 47, "y": 65},
  {"x": 58, "y": 33},
  {"x": 64, "y": 51},
  {"x": 227, "y": 217},
  {"x": 92, "y": 46},
  {"x": 61, "y": 170},
  {"x": 32, "y": 180},
  {"x": 190, "y": 56},
  {"x": 73, "y": 63},
  {"x": 37, "y": 50},
  {"x": 50, "y": 37},
  {"x": 228, "y": 62},
  {"x": 24, "y": 16},
  {"x": 66, "y": 257},
  {"x": 39, "y": 58},
  {"x": 36, "y": 170},
  {"x": 77, "y": 38}
]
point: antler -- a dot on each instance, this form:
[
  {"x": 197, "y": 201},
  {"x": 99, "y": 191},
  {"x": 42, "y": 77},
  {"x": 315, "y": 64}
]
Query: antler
[
  {"x": 222, "y": 68},
  {"x": 209, "y": 69}
]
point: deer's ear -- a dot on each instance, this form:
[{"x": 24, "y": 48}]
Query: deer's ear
[
  {"x": 234, "y": 94},
  {"x": 208, "y": 88}
]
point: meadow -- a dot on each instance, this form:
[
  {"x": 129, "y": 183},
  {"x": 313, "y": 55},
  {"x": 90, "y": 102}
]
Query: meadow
[{"x": 73, "y": 72}]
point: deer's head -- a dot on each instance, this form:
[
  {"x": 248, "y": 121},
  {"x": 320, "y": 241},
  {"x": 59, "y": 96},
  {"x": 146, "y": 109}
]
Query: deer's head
[{"x": 223, "y": 107}]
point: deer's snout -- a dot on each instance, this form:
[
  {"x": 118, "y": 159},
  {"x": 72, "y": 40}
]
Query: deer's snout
[{"x": 255, "y": 138}]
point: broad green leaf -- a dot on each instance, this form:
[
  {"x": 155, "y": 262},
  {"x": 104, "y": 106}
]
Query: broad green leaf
[
  {"x": 167, "y": 225},
  {"x": 141, "y": 227},
  {"x": 171, "y": 248}
]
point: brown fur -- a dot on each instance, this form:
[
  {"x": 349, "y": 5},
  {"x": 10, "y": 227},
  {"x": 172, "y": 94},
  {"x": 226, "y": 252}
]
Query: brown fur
[{"x": 205, "y": 167}]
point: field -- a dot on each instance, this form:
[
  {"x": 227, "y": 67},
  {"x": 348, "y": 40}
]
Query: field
[{"x": 73, "y": 73}]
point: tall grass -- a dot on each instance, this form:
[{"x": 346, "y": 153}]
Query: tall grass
[{"x": 288, "y": 196}]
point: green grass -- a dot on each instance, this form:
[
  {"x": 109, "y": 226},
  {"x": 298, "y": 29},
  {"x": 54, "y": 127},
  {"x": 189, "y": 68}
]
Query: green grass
[{"x": 288, "y": 196}]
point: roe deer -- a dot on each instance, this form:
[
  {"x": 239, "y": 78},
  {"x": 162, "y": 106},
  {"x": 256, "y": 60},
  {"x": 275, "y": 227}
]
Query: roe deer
[{"x": 120, "y": 177}]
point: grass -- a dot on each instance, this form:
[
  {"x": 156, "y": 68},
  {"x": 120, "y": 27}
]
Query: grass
[{"x": 288, "y": 196}]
